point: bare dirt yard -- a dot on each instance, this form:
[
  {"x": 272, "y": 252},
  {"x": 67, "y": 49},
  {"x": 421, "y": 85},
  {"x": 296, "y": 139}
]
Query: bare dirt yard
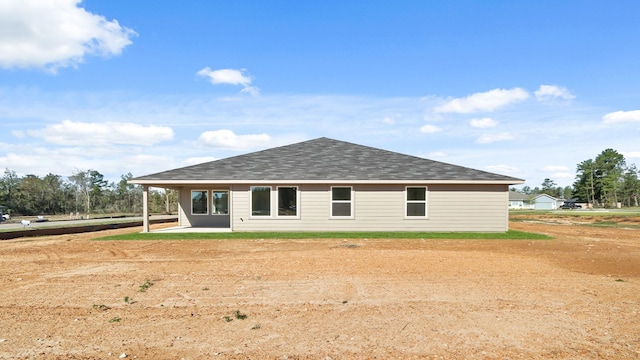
[{"x": 574, "y": 297}]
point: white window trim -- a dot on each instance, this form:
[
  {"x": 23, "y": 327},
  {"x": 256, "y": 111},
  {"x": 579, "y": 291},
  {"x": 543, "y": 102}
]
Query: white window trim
[
  {"x": 297, "y": 215},
  {"x": 228, "y": 202},
  {"x": 191, "y": 201},
  {"x": 425, "y": 202},
  {"x": 270, "y": 202},
  {"x": 331, "y": 202}
]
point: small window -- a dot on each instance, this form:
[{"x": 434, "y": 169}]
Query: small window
[
  {"x": 287, "y": 201},
  {"x": 220, "y": 202},
  {"x": 341, "y": 202},
  {"x": 416, "y": 201},
  {"x": 260, "y": 201},
  {"x": 199, "y": 202}
]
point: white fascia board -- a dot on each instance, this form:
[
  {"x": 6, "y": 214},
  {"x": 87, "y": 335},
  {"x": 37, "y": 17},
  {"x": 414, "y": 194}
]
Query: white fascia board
[{"x": 160, "y": 183}]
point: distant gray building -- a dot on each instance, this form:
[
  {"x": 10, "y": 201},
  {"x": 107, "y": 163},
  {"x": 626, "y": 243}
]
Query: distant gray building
[{"x": 331, "y": 185}]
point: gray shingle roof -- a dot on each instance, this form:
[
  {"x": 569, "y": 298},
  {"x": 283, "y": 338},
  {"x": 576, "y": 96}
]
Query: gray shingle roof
[
  {"x": 324, "y": 159},
  {"x": 515, "y": 196}
]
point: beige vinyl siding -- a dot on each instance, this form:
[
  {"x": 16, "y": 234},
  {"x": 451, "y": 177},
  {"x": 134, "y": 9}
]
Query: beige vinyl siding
[
  {"x": 469, "y": 208},
  {"x": 382, "y": 208},
  {"x": 186, "y": 218},
  {"x": 183, "y": 209}
]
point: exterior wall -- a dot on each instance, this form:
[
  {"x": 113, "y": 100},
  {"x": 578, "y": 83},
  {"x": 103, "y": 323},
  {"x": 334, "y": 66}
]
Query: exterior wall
[
  {"x": 382, "y": 208},
  {"x": 186, "y": 218},
  {"x": 516, "y": 204},
  {"x": 544, "y": 202}
]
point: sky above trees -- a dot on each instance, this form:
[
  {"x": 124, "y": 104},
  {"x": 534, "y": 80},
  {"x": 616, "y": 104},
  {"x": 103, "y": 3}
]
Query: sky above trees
[{"x": 526, "y": 89}]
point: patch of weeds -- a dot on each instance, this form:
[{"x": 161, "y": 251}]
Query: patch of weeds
[
  {"x": 126, "y": 299},
  {"x": 256, "y": 327},
  {"x": 227, "y": 318},
  {"x": 206, "y": 289},
  {"x": 606, "y": 224},
  {"x": 101, "y": 307},
  {"x": 238, "y": 315},
  {"x": 147, "y": 284},
  {"x": 351, "y": 246},
  {"x": 115, "y": 319},
  {"x": 619, "y": 280}
]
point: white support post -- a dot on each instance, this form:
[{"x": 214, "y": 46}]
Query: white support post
[{"x": 145, "y": 208}]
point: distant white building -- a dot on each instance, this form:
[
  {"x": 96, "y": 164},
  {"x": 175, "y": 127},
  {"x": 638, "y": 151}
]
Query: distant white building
[
  {"x": 519, "y": 200},
  {"x": 546, "y": 202}
]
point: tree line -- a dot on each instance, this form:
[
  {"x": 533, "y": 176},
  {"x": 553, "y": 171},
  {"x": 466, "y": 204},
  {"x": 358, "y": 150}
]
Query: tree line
[
  {"x": 606, "y": 181},
  {"x": 83, "y": 193}
]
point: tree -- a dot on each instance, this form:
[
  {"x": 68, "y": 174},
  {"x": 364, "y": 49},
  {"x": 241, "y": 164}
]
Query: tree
[
  {"x": 97, "y": 185},
  {"x": 82, "y": 187},
  {"x": 28, "y": 195},
  {"x": 84, "y": 190},
  {"x": 89, "y": 186},
  {"x": 52, "y": 186},
  {"x": 585, "y": 185},
  {"x": 8, "y": 183},
  {"x": 610, "y": 166},
  {"x": 630, "y": 190},
  {"x": 548, "y": 187}
]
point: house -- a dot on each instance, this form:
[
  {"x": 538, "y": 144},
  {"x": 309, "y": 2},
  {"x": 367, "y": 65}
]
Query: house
[
  {"x": 546, "y": 202},
  {"x": 518, "y": 200},
  {"x": 331, "y": 185}
]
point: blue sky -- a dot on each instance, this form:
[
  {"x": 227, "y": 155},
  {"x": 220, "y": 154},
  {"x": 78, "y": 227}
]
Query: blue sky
[{"x": 527, "y": 89}]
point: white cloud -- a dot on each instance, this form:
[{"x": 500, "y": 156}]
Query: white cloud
[
  {"x": 72, "y": 133},
  {"x": 483, "y": 102},
  {"x": 17, "y": 133},
  {"x": 558, "y": 173},
  {"x": 430, "y": 129},
  {"x": 357, "y": 119},
  {"x": 549, "y": 92},
  {"x": 230, "y": 77},
  {"x": 502, "y": 169},
  {"x": 483, "y": 123},
  {"x": 491, "y": 138},
  {"x": 41, "y": 161},
  {"x": 554, "y": 168},
  {"x": 437, "y": 154},
  {"x": 54, "y": 34},
  {"x": 632, "y": 154},
  {"x": 565, "y": 177},
  {"x": 199, "y": 160},
  {"x": 389, "y": 120},
  {"x": 227, "y": 139},
  {"x": 622, "y": 116}
]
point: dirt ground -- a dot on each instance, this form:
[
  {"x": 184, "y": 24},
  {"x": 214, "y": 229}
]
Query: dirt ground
[{"x": 574, "y": 297}]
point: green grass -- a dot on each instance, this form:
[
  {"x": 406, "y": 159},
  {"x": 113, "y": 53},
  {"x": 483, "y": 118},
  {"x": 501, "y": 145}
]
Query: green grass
[
  {"x": 509, "y": 235},
  {"x": 147, "y": 284}
]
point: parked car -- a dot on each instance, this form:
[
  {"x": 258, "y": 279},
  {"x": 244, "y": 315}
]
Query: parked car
[
  {"x": 6, "y": 217},
  {"x": 570, "y": 205}
]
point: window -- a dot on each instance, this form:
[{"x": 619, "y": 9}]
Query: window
[
  {"x": 341, "y": 202},
  {"x": 199, "y": 202},
  {"x": 287, "y": 201},
  {"x": 260, "y": 201},
  {"x": 220, "y": 202},
  {"x": 416, "y": 201}
]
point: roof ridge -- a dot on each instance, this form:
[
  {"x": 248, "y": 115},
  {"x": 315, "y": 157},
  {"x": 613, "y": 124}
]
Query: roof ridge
[{"x": 326, "y": 159}]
